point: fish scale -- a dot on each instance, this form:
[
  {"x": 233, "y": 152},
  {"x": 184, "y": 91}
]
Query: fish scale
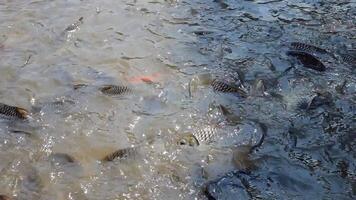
[
  {"x": 222, "y": 86},
  {"x": 12, "y": 111},
  {"x": 206, "y": 134},
  {"x": 115, "y": 89},
  {"x": 307, "y": 47},
  {"x": 121, "y": 154},
  {"x": 348, "y": 59}
]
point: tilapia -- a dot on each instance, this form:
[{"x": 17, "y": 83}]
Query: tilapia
[
  {"x": 75, "y": 25},
  {"x": 298, "y": 46},
  {"x": 222, "y": 86},
  {"x": 115, "y": 89},
  {"x": 320, "y": 99},
  {"x": 57, "y": 105},
  {"x": 61, "y": 159},
  {"x": 13, "y": 111},
  {"x": 348, "y": 59},
  {"x": 308, "y": 60},
  {"x": 201, "y": 135},
  {"x": 79, "y": 85},
  {"x": 121, "y": 154}
]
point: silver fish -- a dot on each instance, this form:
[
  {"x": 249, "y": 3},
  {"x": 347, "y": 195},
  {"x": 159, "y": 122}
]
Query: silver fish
[{"x": 205, "y": 135}]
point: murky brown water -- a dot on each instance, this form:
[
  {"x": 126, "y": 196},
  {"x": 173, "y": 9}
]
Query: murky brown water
[{"x": 166, "y": 52}]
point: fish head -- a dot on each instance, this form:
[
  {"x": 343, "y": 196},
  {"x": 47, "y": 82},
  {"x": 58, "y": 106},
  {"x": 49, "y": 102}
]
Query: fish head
[
  {"x": 24, "y": 114},
  {"x": 188, "y": 140}
]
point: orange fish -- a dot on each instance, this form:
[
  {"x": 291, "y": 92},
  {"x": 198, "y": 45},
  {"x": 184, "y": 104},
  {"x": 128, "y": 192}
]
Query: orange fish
[{"x": 146, "y": 79}]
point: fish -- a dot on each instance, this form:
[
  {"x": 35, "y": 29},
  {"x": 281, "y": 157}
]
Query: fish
[
  {"x": 75, "y": 25},
  {"x": 57, "y": 105},
  {"x": 222, "y": 86},
  {"x": 13, "y": 111},
  {"x": 188, "y": 139},
  {"x": 298, "y": 46},
  {"x": 341, "y": 88},
  {"x": 145, "y": 78},
  {"x": 4, "y": 197},
  {"x": 199, "y": 136},
  {"x": 308, "y": 60},
  {"x": 320, "y": 99},
  {"x": 61, "y": 159},
  {"x": 79, "y": 85},
  {"x": 121, "y": 154},
  {"x": 258, "y": 88},
  {"x": 115, "y": 89},
  {"x": 231, "y": 117},
  {"x": 241, "y": 154},
  {"x": 222, "y": 4},
  {"x": 347, "y": 58}
]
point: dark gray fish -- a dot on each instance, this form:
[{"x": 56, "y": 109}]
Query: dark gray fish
[
  {"x": 322, "y": 98},
  {"x": 115, "y": 89},
  {"x": 4, "y": 197},
  {"x": 222, "y": 4},
  {"x": 308, "y": 60},
  {"x": 13, "y": 111},
  {"x": 31, "y": 186},
  {"x": 75, "y": 25},
  {"x": 202, "y": 32},
  {"x": 298, "y": 46},
  {"x": 348, "y": 59},
  {"x": 221, "y": 86},
  {"x": 61, "y": 159},
  {"x": 79, "y": 85},
  {"x": 121, "y": 154},
  {"x": 230, "y": 116},
  {"x": 343, "y": 167},
  {"x": 341, "y": 88},
  {"x": 55, "y": 105}
]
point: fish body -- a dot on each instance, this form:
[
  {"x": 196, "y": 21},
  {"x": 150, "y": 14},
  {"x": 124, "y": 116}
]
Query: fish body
[
  {"x": 348, "y": 59},
  {"x": 13, "y": 111},
  {"x": 75, "y": 25},
  {"x": 308, "y": 60},
  {"x": 205, "y": 135},
  {"x": 298, "y": 46},
  {"x": 222, "y": 86},
  {"x": 115, "y": 89},
  {"x": 61, "y": 158},
  {"x": 121, "y": 154}
]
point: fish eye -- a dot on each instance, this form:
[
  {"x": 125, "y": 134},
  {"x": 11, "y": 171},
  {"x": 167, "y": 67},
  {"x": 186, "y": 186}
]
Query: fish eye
[{"x": 182, "y": 142}]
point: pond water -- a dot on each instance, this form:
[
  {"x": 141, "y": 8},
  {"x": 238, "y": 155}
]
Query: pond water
[{"x": 168, "y": 99}]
